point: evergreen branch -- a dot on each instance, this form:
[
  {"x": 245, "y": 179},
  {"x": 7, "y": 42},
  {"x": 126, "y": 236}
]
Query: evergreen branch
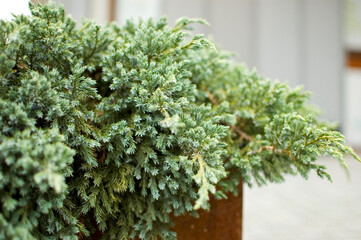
[
  {"x": 201, "y": 180},
  {"x": 86, "y": 58},
  {"x": 243, "y": 135}
]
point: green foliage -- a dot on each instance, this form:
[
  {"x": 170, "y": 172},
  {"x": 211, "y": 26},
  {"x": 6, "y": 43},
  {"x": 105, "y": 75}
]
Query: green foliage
[{"x": 111, "y": 130}]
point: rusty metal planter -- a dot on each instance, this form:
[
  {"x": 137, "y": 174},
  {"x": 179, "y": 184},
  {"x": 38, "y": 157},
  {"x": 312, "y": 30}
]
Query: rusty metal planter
[{"x": 223, "y": 221}]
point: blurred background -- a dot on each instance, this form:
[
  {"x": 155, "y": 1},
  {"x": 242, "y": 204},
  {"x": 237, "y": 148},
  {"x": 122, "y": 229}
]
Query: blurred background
[{"x": 314, "y": 43}]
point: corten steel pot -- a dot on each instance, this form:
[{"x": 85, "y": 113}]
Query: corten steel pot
[{"x": 223, "y": 221}]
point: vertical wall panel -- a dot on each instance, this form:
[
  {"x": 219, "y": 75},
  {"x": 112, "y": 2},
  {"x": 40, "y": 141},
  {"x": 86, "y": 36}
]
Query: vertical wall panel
[
  {"x": 279, "y": 40},
  {"x": 231, "y": 27},
  {"x": 352, "y": 126},
  {"x": 324, "y": 56},
  {"x": 99, "y": 10},
  {"x": 127, "y": 9},
  {"x": 77, "y": 9}
]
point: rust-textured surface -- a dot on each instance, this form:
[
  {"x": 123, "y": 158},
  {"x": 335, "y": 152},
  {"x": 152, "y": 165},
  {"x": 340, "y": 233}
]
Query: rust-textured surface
[
  {"x": 354, "y": 59},
  {"x": 224, "y": 221}
]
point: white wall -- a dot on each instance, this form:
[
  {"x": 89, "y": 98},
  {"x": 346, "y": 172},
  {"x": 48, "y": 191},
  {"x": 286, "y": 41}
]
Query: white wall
[{"x": 352, "y": 107}]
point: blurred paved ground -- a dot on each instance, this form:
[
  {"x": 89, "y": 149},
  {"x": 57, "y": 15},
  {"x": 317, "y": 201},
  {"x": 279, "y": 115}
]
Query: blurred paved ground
[{"x": 306, "y": 210}]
